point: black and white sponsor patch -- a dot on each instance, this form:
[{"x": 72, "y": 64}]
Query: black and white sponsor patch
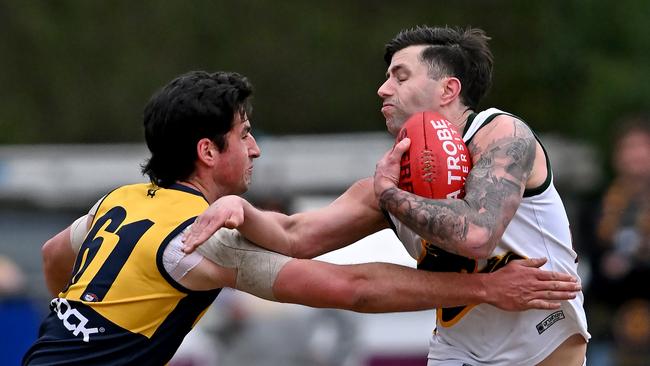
[{"x": 549, "y": 320}]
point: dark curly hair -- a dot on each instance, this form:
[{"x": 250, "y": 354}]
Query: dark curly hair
[{"x": 193, "y": 106}]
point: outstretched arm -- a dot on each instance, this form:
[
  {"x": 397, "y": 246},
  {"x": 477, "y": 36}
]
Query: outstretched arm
[
  {"x": 383, "y": 287},
  {"x": 503, "y": 155},
  {"x": 373, "y": 287},
  {"x": 351, "y": 217}
]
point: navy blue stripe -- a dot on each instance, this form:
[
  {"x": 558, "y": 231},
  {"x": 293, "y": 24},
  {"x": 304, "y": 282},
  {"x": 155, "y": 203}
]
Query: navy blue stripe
[
  {"x": 186, "y": 189},
  {"x": 92, "y": 243},
  {"x": 161, "y": 251},
  {"x": 179, "y": 322},
  {"x": 101, "y": 283}
]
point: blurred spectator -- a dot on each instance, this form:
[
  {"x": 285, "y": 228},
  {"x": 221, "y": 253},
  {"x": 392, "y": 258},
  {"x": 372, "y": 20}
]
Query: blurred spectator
[
  {"x": 619, "y": 251},
  {"x": 19, "y": 319},
  {"x": 315, "y": 337}
]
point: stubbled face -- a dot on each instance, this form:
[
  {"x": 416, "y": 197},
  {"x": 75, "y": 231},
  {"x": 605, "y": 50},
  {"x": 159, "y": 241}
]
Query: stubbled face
[
  {"x": 408, "y": 88},
  {"x": 235, "y": 170}
]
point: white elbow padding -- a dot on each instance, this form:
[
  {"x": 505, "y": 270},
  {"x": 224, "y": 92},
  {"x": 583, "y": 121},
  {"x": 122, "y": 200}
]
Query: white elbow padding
[
  {"x": 79, "y": 228},
  {"x": 78, "y": 231},
  {"x": 257, "y": 268}
]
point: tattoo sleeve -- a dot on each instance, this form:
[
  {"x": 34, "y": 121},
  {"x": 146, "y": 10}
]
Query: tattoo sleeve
[{"x": 503, "y": 158}]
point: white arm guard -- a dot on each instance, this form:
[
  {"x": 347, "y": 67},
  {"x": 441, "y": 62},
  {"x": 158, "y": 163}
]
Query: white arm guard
[
  {"x": 78, "y": 231},
  {"x": 257, "y": 268},
  {"x": 79, "y": 227}
]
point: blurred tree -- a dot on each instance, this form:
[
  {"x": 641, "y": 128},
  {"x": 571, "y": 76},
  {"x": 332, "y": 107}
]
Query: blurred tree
[{"x": 81, "y": 71}]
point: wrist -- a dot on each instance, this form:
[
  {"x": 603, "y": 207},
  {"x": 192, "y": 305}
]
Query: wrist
[
  {"x": 385, "y": 196},
  {"x": 483, "y": 293}
]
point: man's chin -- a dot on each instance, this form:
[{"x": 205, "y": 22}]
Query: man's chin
[
  {"x": 246, "y": 186},
  {"x": 392, "y": 127}
]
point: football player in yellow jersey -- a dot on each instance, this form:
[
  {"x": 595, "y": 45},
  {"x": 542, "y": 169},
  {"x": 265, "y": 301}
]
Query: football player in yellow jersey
[{"x": 125, "y": 293}]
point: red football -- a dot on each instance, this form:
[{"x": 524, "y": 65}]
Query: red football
[{"x": 437, "y": 162}]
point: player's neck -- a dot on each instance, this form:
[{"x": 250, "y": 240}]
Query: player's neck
[
  {"x": 459, "y": 118},
  {"x": 196, "y": 184}
]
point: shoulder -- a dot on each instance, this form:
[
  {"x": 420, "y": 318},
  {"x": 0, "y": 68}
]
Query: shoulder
[
  {"x": 503, "y": 129},
  {"x": 504, "y": 125}
]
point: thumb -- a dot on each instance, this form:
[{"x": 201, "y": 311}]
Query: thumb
[
  {"x": 234, "y": 221},
  {"x": 403, "y": 144}
]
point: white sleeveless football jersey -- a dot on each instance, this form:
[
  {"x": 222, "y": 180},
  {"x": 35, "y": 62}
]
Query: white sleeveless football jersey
[{"x": 483, "y": 334}]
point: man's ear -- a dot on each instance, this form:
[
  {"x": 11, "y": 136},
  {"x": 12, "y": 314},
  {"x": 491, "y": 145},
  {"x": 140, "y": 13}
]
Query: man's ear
[
  {"x": 207, "y": 152},
  {"x": 451, "y": 90}
]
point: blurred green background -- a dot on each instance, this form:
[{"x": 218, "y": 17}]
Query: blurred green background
[{"x": 81, "y": 71}]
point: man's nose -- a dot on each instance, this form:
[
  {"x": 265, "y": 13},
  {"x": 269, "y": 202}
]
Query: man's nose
[
  {"x": 384, "y": 90},
  {"x": 254, "y": 151}
]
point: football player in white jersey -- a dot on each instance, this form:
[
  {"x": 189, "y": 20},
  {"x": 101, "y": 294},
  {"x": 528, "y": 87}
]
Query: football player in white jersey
[{"x": 511, "y": 209}]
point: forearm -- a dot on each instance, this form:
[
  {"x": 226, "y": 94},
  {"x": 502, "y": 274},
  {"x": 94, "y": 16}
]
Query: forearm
[
  {"x": 306, "y": 235},
  {"x": 452, "y": 224},
  {"x": 296, "y": 235},
  {"x": 386, "y": 287},
  {"x": 267, "y": 229},
  {"x": 351, "y": 217},
  {"x": 375, "y": 287}
]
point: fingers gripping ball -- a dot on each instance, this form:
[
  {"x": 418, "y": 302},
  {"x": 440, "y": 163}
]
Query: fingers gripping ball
[{"x": 437, "y": 162}]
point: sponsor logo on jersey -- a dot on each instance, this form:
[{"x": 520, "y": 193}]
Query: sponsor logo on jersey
[
  {"x": 549, "y": 320},
  {"x": 72, "y": 319},
  {"x": 90, "y": 297}
]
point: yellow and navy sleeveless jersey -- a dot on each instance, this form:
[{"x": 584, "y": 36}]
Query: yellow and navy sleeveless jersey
[{"x": 120, "y": 306}]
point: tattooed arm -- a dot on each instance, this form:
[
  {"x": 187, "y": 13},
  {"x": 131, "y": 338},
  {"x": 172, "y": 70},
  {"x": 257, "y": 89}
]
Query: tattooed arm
[{"x": 506, "y": 158}]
